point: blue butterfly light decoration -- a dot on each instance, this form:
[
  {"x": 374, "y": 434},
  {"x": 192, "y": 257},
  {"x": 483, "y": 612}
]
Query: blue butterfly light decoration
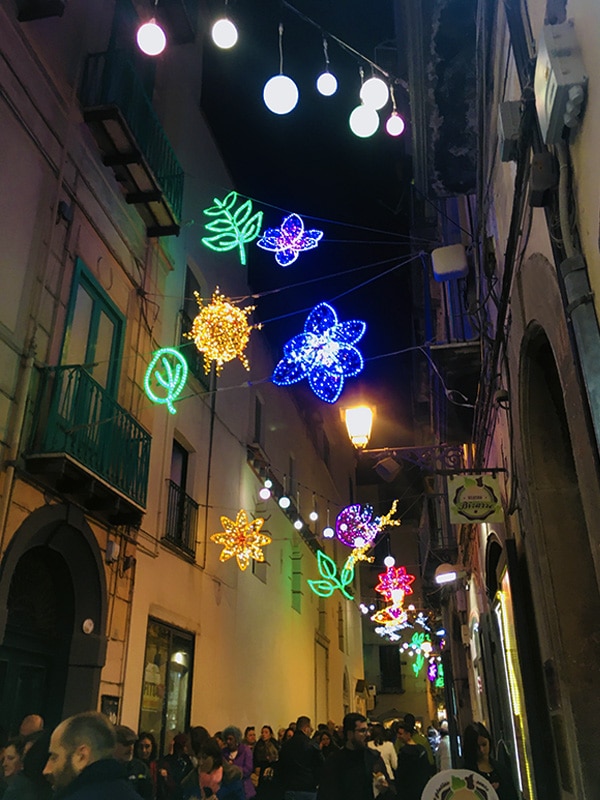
[{"x": 290, "y": 240}]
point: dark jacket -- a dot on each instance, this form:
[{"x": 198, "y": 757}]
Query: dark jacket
[
  {"x": 348, "y": 774},
  {"x": 101, "y": 780},
  {"x": 300, "y": 764},
  {"x": 139, "y": 778},
  {"x": 413, "y": 771}
]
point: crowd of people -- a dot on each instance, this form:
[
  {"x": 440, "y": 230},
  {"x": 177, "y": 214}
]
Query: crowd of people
[{"x": 88, "y": 758}]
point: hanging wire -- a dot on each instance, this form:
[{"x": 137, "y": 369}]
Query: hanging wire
[
  {"x": 326, "y": 54},
  {"x": 281, "y": 48}
]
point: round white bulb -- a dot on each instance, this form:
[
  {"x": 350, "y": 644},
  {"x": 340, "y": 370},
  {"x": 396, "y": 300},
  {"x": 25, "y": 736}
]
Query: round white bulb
[
  {"x": 284, "y": 502},
  {"x": 359, "y": 542},
  {"x": 389, "y": 561},
  {"x": 298, "y": 524},
  {"x": 364, "y": 121},
  {"x": 328, "y": 533},
  {"x": 224, "y": 33},
  {"x": 264, "y": 493},
  {"x": 280, "y": 94},
  {"x": 395, "y": 124},
  {"x": 151, "y": 38},
  {"x": 313, "y": 516},
  {"x": 268, "y": 484},
  {"x": 327, "y": 84},
  {"x": 374, "y": 93}
]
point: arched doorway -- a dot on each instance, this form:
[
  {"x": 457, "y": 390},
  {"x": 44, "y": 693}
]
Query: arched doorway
[
  {"x": 558, "y": 574},
  {"x": 52, "y": 618}
]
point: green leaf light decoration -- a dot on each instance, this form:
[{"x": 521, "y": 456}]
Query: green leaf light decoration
[
  {"x": 331, "y": 581},
  {"x": 166, "y": 373},
  {"x": 232, "y": 227}
]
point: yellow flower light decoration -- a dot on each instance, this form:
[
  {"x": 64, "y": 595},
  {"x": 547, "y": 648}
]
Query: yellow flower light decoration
[
  {"x": 221, "y": 331},
  {"x": 242, "y": 539}
]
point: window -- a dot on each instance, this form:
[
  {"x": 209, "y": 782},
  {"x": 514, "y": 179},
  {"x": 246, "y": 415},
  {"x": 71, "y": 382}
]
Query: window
[
  {"x": 94, "y": 331},
  {"x": 166, "y": 688},
  {"x": 341, "y": 628},
  {"x": 391, "y": 672},
  {"x": 189, "y": 311},
  {"x": 259, "y": 425},
  {"x": 182, "y": 511}
]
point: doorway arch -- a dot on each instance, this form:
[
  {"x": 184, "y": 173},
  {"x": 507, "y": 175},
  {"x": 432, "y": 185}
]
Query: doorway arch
[{"x": 52, "y": 618}]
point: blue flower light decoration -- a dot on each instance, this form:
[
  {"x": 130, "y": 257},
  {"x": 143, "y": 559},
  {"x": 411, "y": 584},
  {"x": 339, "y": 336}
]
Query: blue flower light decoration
[
  {"x": 289, "y": 240},
  {"x": 324, "y": 353}
]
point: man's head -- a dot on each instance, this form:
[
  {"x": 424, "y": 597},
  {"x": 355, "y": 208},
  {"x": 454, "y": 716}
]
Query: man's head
[
  {"x": 355, "y": 731},
  {"x": 303, "y": 724},
  {"x": 404, "y": 732},
  {"x": 32, "y": 723},
  {"x": 75, "y": 744},
  {"x": 126, "y": 739}
]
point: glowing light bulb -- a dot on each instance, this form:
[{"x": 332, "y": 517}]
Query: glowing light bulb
[
  {"x": 224, "y": 33},
  {"x": 298, "y": 524},
  {"x": 313, "y": 516},
  {"x": 268, "y": 484},
  {"x": 389, "y": 561},
  {"x": 374, "y": 93},
  {"x": 364, "y": 121},
  {"x": 395, "y": 124},
  {"x": 284, "y": 502},
  {"x": 151, "y": 38},
  {"x": 328, "y": 533},
  {"x": 264, "y": 493},
  {"x": 280, "y": 94},
  {"x": 327, "y": 84},
  {"x": 359, "y": 542}
]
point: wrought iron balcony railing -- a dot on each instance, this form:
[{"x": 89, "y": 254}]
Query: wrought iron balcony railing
[
  {"x": 182, "y": 519},
  {"x": 132, "y": 140},
  {"x": 77, "y": 419}
]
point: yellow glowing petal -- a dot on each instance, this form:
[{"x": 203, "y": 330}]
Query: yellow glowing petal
[{"x": 241, "y": 539}]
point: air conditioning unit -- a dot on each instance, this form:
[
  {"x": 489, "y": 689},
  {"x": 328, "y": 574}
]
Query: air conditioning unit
[
  {"x": 509, "y": 123},
  {"x": 449, "y": 262},
  {"x": 560, "y": 82}
]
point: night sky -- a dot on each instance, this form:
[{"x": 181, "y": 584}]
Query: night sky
[{"x": 309, "y": 162}]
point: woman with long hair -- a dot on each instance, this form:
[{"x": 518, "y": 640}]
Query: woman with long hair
[{"x": 477, "y": 749}]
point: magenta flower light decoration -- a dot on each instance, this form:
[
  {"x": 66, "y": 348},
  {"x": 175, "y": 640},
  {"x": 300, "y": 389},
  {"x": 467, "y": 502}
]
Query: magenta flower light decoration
[
  {"x": 394, "y": 584},
  {"x": 288, "y": 241},
  {"x": 324, "y": 353}
]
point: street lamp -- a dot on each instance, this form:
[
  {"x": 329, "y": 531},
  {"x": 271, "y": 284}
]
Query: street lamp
[
  {"x": 359, "y": 421},
  {"x": 448, "y": 573}
]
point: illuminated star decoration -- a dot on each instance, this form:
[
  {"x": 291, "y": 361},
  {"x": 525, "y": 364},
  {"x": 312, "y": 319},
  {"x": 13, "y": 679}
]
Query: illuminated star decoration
[
  {"x": 242, "y": 539},
  {"x": 221, "y": 331},
  {"x": 290, "y": 240},
  {"x": 170, "y": 378},
  {"x": 324, "y": 353},
  {"x": 232, "y": 228}
]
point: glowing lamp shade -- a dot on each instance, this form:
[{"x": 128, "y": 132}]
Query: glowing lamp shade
[
  {"x": 298, "y": 524},
  {"x": 395, "y": 124},
  {"x": 359, "y": 421},
  {"x": 374, "y": 93},
  {"x": 313, "y": 516},
  {"x": 327, "y": 84},
  {"x": 151, "y": 38},
  {"x": 328, "y": 532},
  {"x": 364, "y": 121},
  {"x": 280, "y": 94},
  {"x": 389, "y": 561},
  {"x": 284, "y": 502},
  {"x": 264, "y": 493},
  {"x": 447, "y": 573},
  {"x": 224, "y": 33}
]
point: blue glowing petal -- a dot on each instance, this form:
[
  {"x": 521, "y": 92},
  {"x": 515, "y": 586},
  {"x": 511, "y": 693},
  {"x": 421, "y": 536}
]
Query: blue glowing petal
[
  {"x": 350, "y": 360},
  {"x": 348, "y": 332},
  {"x": 302, "y": 346},
  {"x": 321, "y": 319},
  {"x": 270, "y": 239},
  {"x": 326, "y": 384},
  {"x": 292, "y": 228},
  {"x": 288, "y": 372},
  {"x": 286, "y": 257}
]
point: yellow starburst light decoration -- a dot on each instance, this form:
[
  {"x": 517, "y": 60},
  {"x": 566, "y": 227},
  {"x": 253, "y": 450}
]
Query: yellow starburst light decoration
[
  {"x": 221, "y": 331},
  {"x": 242, "y": 539}
]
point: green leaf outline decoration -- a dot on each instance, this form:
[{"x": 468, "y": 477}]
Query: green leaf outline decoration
[
  {"x": 172, "y": 379},
  {"x": 331, "y": 582},
  {"x": 232, "y": 228}
]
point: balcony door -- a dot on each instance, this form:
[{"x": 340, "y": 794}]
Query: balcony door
[{"x": 94, "y": 332}]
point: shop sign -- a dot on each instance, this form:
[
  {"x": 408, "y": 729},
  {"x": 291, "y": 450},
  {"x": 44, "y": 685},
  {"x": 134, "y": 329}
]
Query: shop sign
[{"x": 474, "y": 498}]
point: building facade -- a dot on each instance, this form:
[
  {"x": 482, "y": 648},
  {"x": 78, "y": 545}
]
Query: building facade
[{"x": 113, "y": 597}]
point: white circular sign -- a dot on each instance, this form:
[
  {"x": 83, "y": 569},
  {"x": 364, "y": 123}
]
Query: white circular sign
[{"x": 458, "y": 784}]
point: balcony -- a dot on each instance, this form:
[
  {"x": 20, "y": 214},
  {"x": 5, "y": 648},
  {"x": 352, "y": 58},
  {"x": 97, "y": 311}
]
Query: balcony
[
  {"x": 88, "y": 448},
  {"x": 132, "y": 140},
  {"x": 182, "y": 519}
]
